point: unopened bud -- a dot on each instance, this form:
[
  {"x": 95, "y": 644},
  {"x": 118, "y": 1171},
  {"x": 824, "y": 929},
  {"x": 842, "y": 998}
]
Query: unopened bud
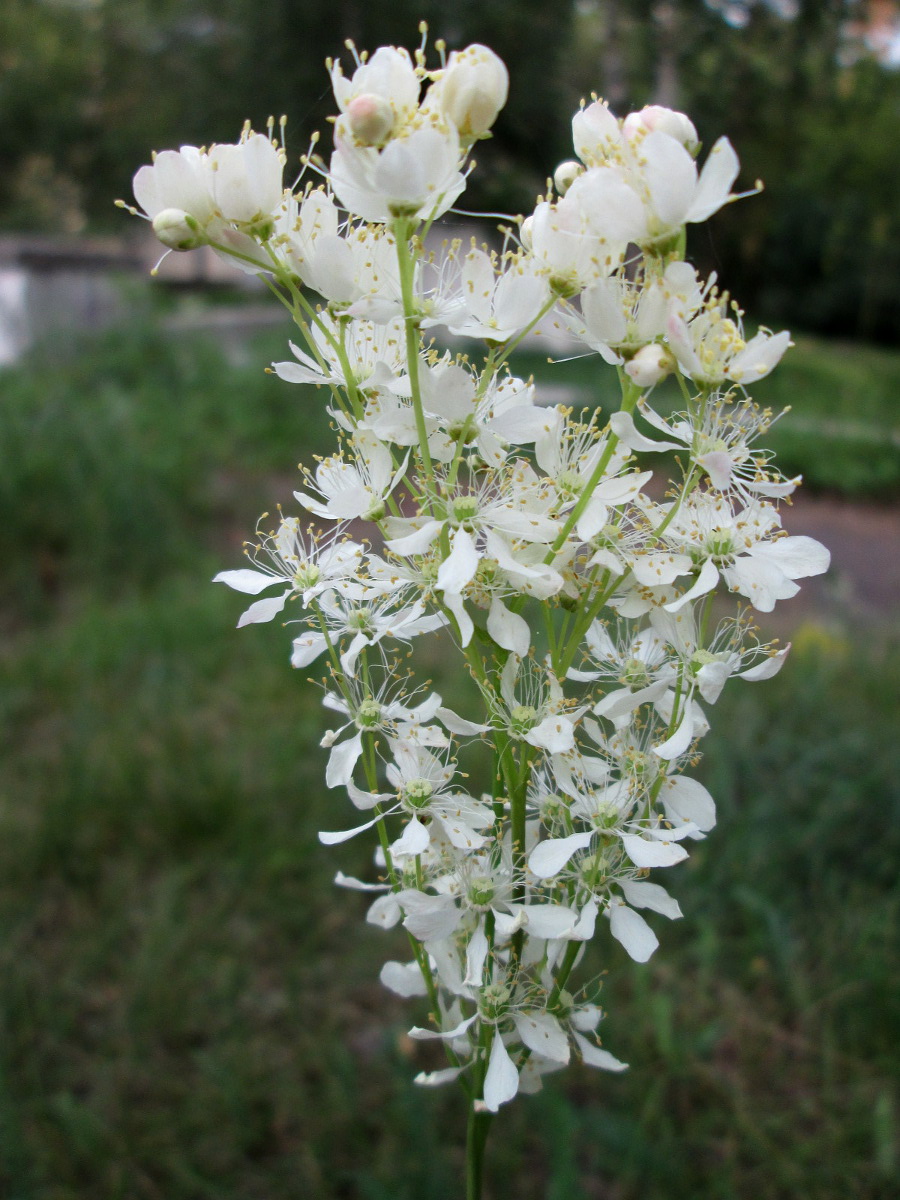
[
  {"x": 177, "y": 230},
  {"x": 565, "y": 175},
  {"x": 371, "y": 119},
  {"x": 654, "y": 117},
  {"x": 473, "y": 89},
  {"x": 650, "y": 365},
  {"x": 525, "y": 232}
]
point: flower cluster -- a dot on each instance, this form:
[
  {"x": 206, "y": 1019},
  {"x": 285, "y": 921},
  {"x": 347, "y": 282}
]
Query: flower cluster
[{"x": 576, "y": 578}]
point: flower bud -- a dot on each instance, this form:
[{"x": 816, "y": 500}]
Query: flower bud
[
  {"x": 650, "y": 365},
  {"x": 565, "y": 175},
  {"x": 177, "y": 229},
  {"x": 664, "y": 120},
  {"x": 371, "y": 119},
  {"x": 473, "y": 88},
  {"x": 525, "y": 232}
]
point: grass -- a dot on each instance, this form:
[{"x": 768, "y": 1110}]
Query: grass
[{"x": 189, "y": 1009}]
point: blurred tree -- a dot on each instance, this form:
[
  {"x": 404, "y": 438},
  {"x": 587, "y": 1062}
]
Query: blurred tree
[
  {"x": 89, "y": 87},
  {"x": 812, "y": 112}
]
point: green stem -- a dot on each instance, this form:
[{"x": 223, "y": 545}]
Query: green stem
[
  {"x": 479, "y": 1123},
  {"x": 402, "y": 229},
  {"x": 477, "y": 1130}
]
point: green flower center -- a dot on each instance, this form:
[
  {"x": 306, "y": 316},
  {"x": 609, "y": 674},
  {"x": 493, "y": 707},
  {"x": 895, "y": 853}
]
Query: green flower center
[
  {"x": 368, "y": 715},
  {"x": 306, "y": 576},
  {"x": 522, "y": 719},
  {"x": 417, "y": 793},
  {"x": 464, "y": 509},
  {"x": 569, "y": 483},
  {"x": 636, "y": 674},
  {"x": 720, "y": 545},
  {"x": 362, "y": 621},
  {"x": 481, "y": 891},
  {"x": 494, "y": 1000}
]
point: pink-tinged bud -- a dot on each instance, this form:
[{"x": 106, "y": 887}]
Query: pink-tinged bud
[
  {"x": 472, "y": 89},
  {"x": 565, "y": 175},
  {"x": 664, "y": 120},
  {"x": 650, "y": 365},
  {"x": 177, "y": 230},
  {"x": 371, "y": 119}
]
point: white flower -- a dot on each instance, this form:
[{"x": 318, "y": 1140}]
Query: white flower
[
  {"x": 356, "y": 488},
  {"x": 471, "y": 90},
  {"x": 366, "y": 616},
  {"x": 498, "y": 306},
  {"x": 308, "y": 565},
  {"x": 388, "y": 75},
  {"x": 666, "y": 120},
  {"x": 719, "y": 432},
  {"x": 352, "y": 353},
  {"x": 416, "y": 174},
  {"x": 664, "y": 175},
  {"x": 532, "y": 708},
  {"x": 582, "y": 237},
  {"x": 621, "y": 316},
  {"x": 745, "y": 547},
  {"x": 711, "y": 349},
  {"x": 246, "y": 182},
  {"x": 179, "y": 181}
]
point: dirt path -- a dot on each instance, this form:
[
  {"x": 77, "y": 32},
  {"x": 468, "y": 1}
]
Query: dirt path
[{"x": 863, "y": 585}]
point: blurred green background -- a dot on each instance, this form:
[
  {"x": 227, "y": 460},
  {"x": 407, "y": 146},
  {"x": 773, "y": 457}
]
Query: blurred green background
[{"x": 188, "y": 1008}]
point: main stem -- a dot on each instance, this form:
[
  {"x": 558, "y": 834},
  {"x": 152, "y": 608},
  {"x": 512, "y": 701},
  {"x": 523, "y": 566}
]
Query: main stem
[{"x": 477, "y": 1130}]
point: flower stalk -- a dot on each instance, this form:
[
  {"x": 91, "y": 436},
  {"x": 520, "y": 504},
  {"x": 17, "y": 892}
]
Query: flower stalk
[{"x": 525, "y": 535}]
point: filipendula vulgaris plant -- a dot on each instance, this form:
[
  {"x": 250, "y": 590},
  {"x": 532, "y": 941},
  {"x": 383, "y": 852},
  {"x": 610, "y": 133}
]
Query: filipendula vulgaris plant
[{"x": 577, "y": 584}]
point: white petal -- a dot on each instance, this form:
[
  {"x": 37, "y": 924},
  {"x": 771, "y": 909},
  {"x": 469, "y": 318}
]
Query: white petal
[
  {"x": 306, "y": 649},
  {"x": 416, "y": 542},
  {"x": 404, "y": 979},
  {"x": 427, "y": 1035},
  {"x": 583, "y": 930},
  {"x": 502, "y": 1079},
  {"x": 385, "y": 912},
  {"x": 675, "y": 745},
  {"x": 546, "y": 920},
  {"x": 555, "y": 734},
  {"x": 414, "y": 840},
  {"x": 767, "y": 668},
  {"x": 595, "y": 1057},
  {"x": 542, "y": 1033},
  {"x": 644, "y": 853},
  {"x": 341, "y": 761},
  {"x": 476, "y": 953},
  {"x": 247, "y": 580},
  {"x": 630, "y": 928},
  {"x": 622, "y": 425},
  {"x": 437, "y": 1078},
  {"x": 357, "y": 885},
  {"x": 429, "y": 917},
  {"x": 263, "y": 610},
  {"x": 459, "y": 725},
  {"x": 344, "y": 835},
  {"x": 719, "y": 172},
  {"x": 364, "y": 800},
  {"x": 550, "y": 856},
  {"x": 460, "y": 566},
  {"x": 641, "y": 894},
  {"x": 455, "y": 604},
  {"x": 705, "y": 582},
  {"x": 508, "y": 629},
  {"x": 688, "y": 800}
]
